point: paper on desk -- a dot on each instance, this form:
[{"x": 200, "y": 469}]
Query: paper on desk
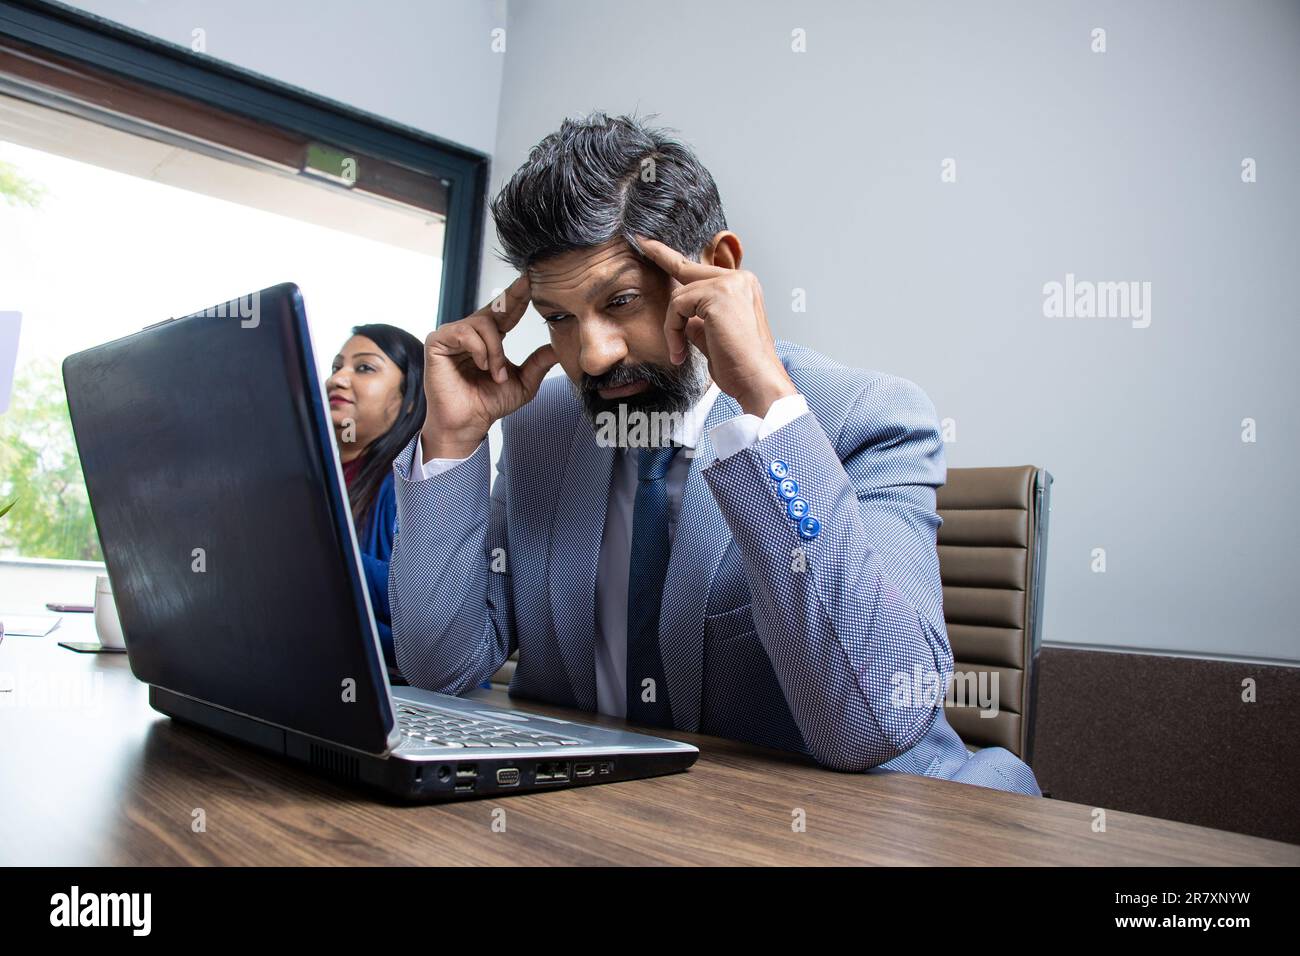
[{"x": 29, "y": 626}]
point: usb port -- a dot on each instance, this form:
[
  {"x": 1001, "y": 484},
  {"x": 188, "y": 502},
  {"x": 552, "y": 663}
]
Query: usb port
[
  {"x": 508, "y": 777},
  {"x": 584, "y": 770},
  {"x": 466, "y": 777},
  {"x": 606, "y": 766}
]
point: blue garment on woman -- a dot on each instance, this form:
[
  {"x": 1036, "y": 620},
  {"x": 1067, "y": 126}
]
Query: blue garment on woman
[{"x": 376, "y": 542}]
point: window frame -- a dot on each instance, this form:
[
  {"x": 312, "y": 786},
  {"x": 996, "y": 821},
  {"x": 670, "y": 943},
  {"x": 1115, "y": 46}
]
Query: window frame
[{"x": 170, "y": 69}]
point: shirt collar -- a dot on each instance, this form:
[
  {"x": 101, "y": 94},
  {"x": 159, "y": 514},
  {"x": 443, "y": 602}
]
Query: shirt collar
[{"x": 691, "y": 427}]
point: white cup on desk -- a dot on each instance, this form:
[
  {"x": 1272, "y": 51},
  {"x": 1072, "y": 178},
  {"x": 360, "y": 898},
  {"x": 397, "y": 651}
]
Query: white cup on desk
[{"x": 107, "y": 626}]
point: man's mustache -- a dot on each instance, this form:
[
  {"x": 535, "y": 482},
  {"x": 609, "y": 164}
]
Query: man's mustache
[{"x": 621, "y": 375}]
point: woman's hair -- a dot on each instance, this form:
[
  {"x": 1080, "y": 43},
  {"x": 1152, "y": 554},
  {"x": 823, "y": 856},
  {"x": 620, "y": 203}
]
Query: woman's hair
[{"x": 407, "y": 353}]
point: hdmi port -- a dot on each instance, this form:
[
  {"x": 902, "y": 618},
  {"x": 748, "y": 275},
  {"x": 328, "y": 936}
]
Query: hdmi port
[{"x": 584, "y": 770}]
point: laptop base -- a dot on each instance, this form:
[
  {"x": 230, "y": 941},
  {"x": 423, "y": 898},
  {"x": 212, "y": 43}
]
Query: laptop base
[{"x": 438, "y": 775}]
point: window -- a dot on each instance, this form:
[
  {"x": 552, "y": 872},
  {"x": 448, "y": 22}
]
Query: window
[{"x": 140, "y": 181}]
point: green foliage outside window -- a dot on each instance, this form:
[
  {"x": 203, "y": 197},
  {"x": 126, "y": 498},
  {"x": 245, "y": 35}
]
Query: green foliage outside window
[
  {"x": 43, "y": 497},
  {"x": 40, "y": 474}
]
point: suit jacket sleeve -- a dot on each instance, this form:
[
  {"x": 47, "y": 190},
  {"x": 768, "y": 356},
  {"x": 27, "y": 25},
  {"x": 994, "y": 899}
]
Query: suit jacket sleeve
[
  {"x": 453, "y": 623},
  {"x": 852, "y": 618}
]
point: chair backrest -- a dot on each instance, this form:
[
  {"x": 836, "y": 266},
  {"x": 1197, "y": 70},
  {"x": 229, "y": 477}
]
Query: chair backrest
[{"x": 992, "y": 557}]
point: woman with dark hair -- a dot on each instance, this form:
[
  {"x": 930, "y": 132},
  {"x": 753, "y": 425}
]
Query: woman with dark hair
[{"x": 376, "y": 396}]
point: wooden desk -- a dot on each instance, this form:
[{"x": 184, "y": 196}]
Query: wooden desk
[{"x": 115, "y": 783}]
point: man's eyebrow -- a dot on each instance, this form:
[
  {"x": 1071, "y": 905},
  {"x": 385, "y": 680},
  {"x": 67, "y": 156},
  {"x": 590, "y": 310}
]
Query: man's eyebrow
[{"x": 598, "y": 290}]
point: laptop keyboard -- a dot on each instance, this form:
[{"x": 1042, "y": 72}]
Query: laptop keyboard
[{"x": 426, "y": 727}]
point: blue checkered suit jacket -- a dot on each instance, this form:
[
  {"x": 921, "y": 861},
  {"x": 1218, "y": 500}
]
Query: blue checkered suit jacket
[{"x": 804, "y": 645}]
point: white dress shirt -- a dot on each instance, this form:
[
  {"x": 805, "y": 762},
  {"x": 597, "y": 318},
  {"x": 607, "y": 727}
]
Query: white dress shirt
[{"x": 615, "y": 559}]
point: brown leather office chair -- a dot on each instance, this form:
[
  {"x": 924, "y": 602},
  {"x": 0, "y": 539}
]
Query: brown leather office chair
[{"x": 992, "y": 556}]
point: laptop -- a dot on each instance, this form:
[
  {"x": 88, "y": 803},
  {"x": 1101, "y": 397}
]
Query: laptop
[{"x": 219, "y": 500}]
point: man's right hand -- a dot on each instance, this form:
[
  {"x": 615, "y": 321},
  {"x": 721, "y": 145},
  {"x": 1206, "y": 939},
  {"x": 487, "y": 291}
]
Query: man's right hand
[{"x": 468, "y": 381}]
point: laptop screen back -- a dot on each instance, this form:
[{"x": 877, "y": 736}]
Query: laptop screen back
[{"x": 207, "y": 454}]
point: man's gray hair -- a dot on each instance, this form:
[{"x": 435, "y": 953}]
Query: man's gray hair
[{"x": 599, "y": 178}]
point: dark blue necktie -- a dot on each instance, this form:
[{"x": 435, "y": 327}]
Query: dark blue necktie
[{"x": 648, "y": 568}]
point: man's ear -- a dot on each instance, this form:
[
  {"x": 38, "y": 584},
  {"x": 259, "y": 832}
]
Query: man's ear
[{"x": 724, "y": 250}]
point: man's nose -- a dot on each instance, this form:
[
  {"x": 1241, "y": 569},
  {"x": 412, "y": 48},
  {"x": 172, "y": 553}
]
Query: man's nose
[{"x": 602, "y": 346}]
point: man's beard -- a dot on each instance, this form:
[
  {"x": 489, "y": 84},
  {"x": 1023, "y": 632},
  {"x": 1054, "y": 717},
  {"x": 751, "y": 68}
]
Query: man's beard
[{"x": 674, "y": 389}]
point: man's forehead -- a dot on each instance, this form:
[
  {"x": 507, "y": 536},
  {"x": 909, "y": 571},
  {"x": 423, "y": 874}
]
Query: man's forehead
[{"x": 584, "y": 268}]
